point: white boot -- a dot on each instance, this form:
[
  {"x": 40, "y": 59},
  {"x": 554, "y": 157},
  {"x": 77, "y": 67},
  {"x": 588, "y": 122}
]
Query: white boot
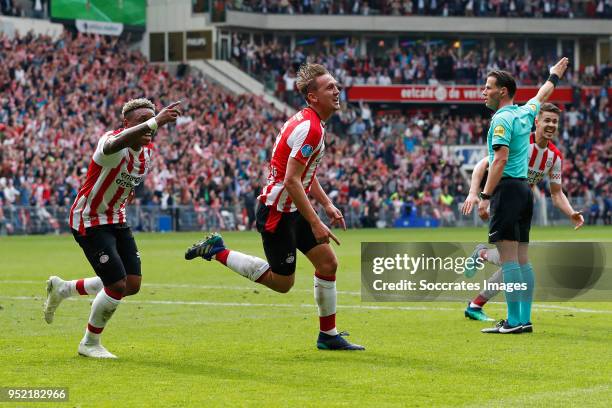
[
  {"x": 54, "y": 297},
  {"x": 95, "y": 350}
]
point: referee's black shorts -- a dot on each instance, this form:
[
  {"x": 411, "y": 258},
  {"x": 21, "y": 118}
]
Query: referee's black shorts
[
  {"x": 511, "y": 210},
  {"x": 111, "y": 250},
  {"x": 282, "y": 233}
]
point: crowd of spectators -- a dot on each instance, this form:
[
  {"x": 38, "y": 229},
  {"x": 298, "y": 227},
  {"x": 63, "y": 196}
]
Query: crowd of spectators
[
  {"x": 58, "y": 96},
  {"x": 467, "y": 8},
  {"x": 412, "y": 63}
]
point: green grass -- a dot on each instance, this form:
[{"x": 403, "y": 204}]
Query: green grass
[
  {"x": 133, "y": 12},
  {"x": 228, "y": 353}
]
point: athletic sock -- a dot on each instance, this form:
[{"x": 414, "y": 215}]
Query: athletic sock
[
  {"x": 528, "y": 277},
  {"x": 487, "y": 294},
  {"x": 102, "y": 309},
  {"x": 251, "y": 267},
  {"x": 492, "y": 256},
  {"x": 325, "y": 296},
  {"x": 478, "y": 302},
  {"x": 512, "y": 275},
  {"x": 87, "y": 286}
]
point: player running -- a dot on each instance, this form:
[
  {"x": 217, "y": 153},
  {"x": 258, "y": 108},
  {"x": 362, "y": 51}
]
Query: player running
[
  {"x": 544, "y": 160},
  {"x": 512, "y": 199},
  {"x": 98, "y": 220},
  {"x": 285, "y": 218}
]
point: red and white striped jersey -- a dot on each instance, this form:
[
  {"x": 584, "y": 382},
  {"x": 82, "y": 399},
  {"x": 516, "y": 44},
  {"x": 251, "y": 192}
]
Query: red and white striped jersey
[
  {"x": 110, "y": 180},
  {"x": 544, "y": 161},
  {"x": 303, "y": 138}
]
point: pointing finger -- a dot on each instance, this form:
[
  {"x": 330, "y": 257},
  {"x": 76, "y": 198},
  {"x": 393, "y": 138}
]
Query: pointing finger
[{"x": 332, "y": 236}]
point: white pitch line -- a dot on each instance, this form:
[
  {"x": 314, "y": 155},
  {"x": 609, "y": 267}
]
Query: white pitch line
[
  {"x": 185, "y": 286},
  {"x": 553, "y": 308},
  {"x": 238, "y": 304},
  {"x": 537, "y": 306},
  {"x": 545, "y": 308}
]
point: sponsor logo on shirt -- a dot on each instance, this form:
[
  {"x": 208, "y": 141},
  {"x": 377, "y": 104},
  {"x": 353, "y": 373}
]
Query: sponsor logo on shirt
[{"x": 306, "y": 150}]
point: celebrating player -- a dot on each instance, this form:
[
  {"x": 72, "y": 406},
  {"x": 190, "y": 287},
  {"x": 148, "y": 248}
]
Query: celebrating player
[
  {"x": 507, "y": 186},
  {"x": 285, "y": 218},
  {"x": 98, "y": 221},
  {"x": 544, "y": 159}
]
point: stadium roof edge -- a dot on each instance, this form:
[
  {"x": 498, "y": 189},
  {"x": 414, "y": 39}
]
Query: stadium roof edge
[{"x": 421, "y": 24}]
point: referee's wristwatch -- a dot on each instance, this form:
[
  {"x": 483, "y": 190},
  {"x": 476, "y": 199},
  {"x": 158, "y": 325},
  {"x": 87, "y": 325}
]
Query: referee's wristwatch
[{"x": 483, "y": 196}]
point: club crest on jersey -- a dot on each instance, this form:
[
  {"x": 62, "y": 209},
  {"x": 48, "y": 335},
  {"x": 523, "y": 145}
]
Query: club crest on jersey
[
  {"x": 306, "y": 150},
  {"x": 499, "y": 131},
  {"x": 532, "y": 107}
]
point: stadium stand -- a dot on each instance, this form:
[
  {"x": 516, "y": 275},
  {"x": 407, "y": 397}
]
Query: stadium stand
[
  {"x": 468, "y": 8},
  {"x": 415, "y": 63},
  {"x": 59, "y": 96}
]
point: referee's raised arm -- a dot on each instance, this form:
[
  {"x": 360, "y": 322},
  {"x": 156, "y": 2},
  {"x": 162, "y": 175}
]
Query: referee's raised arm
[{"x": 556, "y": 73}]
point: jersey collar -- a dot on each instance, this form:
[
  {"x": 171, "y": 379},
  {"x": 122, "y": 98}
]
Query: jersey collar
[
  {"x": 532, "y": 140},
  {"x": 505, "y": 108},
  {"x": 315, "y": 112}
]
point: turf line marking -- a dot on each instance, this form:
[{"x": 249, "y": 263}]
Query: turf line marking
[
  {"x": 238, "y": 304},
  {"x": 542, "y": 307},
  {"x": 247, "y": 304},
  {"x": 185, "y": 285}
]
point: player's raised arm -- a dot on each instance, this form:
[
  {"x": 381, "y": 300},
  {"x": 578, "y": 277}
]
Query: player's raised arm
[
  {"x": 556, "y": 73},
  {"x": 477, "y": 177},
  {"x": 140, "y": 125}
]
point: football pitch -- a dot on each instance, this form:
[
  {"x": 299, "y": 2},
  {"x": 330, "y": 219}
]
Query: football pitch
[{"x": 200, "y": 335}]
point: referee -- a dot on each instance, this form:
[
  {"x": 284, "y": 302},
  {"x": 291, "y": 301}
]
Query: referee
[{"x": 507, "y": 192}]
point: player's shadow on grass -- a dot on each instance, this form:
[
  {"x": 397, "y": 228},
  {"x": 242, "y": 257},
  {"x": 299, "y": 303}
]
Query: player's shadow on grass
[
  {"x": 368, "y": 358},
  {"x": 203, "y": 368},
  {"x": 463, "y": 365}
]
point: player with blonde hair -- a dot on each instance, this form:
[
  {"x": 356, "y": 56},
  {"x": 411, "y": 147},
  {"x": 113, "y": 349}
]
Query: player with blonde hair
[{"x": 285, "y": 218}]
